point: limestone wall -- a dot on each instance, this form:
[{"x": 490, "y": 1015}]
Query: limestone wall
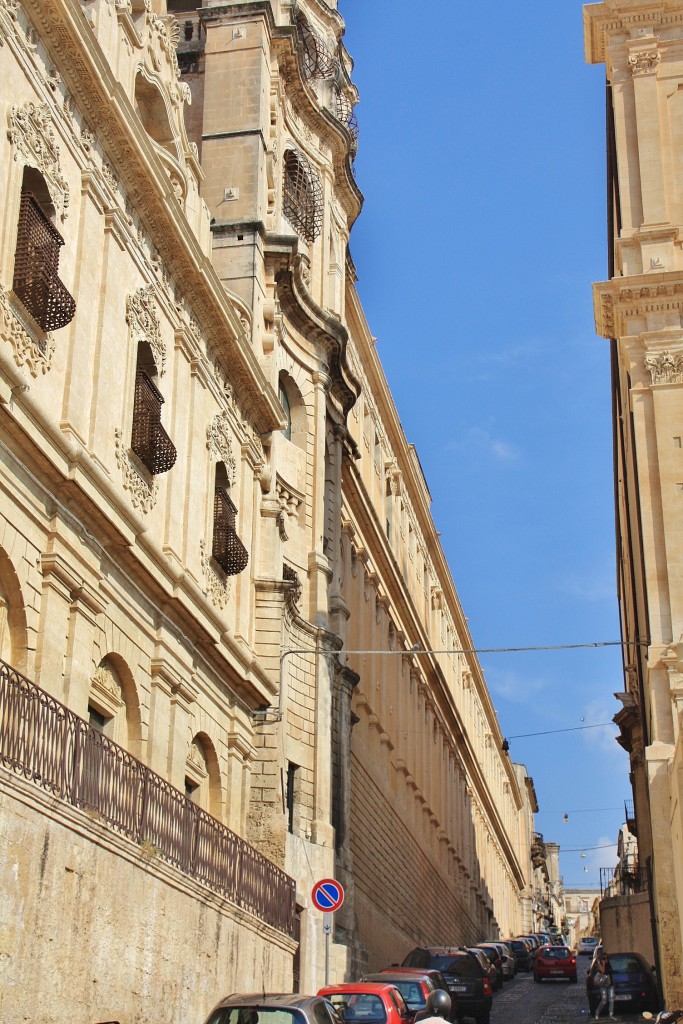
[
  {"x": 93, "y": 928},
  {"x": 625, "y": 925}
]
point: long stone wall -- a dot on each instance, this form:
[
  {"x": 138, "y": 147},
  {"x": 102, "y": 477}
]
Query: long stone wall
[
  {"x": 625, "y": 925},
  {"x": 402, "y": 899},
  {"x": 94, "y": 928}
]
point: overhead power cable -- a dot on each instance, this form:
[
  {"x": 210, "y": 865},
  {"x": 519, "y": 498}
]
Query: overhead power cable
[{"x": 550, "y": 732}]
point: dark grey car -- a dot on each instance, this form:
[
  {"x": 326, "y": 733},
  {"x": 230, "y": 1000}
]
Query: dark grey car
[{"x": 273, "y": 1008}]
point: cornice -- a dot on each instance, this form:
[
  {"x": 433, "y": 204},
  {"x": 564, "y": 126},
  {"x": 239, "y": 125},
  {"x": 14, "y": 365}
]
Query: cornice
[
  {"x": 317, "y": 325},
  {"x": 628, "y": 18},
  {"x": 623, "y": 298},
  {"x": 109, "y": 113}
]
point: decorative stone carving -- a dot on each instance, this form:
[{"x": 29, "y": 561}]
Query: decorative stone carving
[
  {"x": 36, "y": 354},
  {"x": 219, "y": 443},
  {"x": 30, "y": 132},
  {"x": 8, "y": 18},
  {"x": 665, "y": 368},
  {"x": 217, "y": 588},
  {"x": 643, "y": 61},
  {"x": 105, "y": 683},
  {"x": 293, "y": 594},
  {"x": 110, "y": 177},
  {"x": 196, "y": 760},
  {"x": 143, "y": 321},
  {"x": 143, "y": 492}
]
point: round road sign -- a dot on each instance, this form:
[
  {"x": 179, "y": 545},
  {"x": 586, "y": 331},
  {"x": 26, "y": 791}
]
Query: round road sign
[{"x": 328, "y": 895}]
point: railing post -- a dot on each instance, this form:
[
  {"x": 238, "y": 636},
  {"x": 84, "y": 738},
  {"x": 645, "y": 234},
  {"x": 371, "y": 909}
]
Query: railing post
[{"x": 144, "y": 799}]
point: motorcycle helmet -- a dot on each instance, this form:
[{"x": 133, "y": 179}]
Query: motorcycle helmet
[{"x": 439, "y": 1003}]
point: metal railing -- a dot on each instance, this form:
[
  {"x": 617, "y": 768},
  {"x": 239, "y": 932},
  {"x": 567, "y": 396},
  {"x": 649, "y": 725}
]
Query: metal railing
[
  {"x": 45, "y": 743},
  {"x": 149, "y": 440},
  {"x": 622, "y": 880}
]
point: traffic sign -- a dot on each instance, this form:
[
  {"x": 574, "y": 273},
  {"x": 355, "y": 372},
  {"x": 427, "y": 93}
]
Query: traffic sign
[{"x": 328, "y": 895}]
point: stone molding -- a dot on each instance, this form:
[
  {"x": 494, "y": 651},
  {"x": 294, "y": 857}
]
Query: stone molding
[
  {"x": 664, "y": 367},
  {"x": 32, "y": 135},
  {"x": 643, "y": 62},
  {"x": 216, "y": 585},
  {"x": 615, "y": 302},
  {"x": 142, "y": 488},
  {"x": 219, "y": 443},
  {"x": 144, "y": 324},
  {"x": 31, "y": 348}
]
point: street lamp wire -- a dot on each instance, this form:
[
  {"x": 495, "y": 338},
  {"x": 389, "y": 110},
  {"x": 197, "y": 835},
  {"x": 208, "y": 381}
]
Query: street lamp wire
[{"x": 549, "y": 732}]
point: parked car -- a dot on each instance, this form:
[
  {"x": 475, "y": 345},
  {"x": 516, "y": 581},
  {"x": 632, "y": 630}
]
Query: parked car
[
  {"x": 414, "y": 986},
  {"x": 468, "y": 982},
  {"x": 586, "y": 946},
  {"x": 555, "y": 962},
  {"x": 436, "y": 977},
  {"x": 635, "y": 986},
  {"x": 491, "y": 961},
  {"x": 274, "y": 1008},
  {"x": 507, "y": 959},
  {"x": 520, "y": 951},
  {"x": 368, "y": 1003}
]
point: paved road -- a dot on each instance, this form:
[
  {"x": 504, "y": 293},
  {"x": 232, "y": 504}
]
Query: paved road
[{"x": 522, "y": 1001}]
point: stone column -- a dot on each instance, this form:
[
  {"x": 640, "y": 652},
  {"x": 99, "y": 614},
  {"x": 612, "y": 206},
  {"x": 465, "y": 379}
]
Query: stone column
[{"x": 318, "y": 565}]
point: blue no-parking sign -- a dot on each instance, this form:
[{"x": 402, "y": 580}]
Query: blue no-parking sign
[{"x": 328, "y": 895}]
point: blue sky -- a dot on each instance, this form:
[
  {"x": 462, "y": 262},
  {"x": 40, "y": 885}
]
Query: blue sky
[{"x": 482, "y": 162}]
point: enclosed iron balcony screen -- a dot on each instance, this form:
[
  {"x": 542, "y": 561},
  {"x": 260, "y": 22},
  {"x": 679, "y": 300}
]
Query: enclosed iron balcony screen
[
  {"x": 150, "y": 442},
  {"x": 228, "y": 549},
  {"x": 36, "y": 267},
  {"x": 318, "y": 62},
  {"x": 302, "y": 196}
]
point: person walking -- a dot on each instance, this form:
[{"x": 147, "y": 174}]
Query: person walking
[{"x": 603, "y": 981}]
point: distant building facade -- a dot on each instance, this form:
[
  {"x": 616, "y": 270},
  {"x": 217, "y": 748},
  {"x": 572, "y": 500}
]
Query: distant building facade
[
  {"x": 639, "y": 309},
  {"x": 220, "y": 583}
]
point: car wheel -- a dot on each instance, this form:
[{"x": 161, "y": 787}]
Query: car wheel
[{"x": 537, "y": 979}]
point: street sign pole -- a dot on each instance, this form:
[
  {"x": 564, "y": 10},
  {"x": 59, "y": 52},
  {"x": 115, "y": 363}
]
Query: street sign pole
[
  {"x": 328, "y": 896},
  {"x": 327, "y": 931}
]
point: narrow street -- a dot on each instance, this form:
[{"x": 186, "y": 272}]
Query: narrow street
[{"x": 522, "y": 1001}]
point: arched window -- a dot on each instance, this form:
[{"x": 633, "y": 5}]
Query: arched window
[
  {"x": 302, "y": 202},
  {"x": 227, "y": 549},
  {"x": 202, "y": 775},
  {"x": 36, "y": 259},
  {"x": 149, "y": 440}
]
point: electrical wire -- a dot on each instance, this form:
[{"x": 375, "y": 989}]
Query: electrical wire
[{"x": 550, "y": 732}]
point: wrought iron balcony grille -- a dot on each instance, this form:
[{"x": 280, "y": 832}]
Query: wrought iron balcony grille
[
  {"x": 149, "y": 441},
  {"x": 302, "y": 196},
  {"x": 46, "y": 744},
  {"x": 228, "y": 549},
  {"x": 36, "y": 268},
  {"x": 345, "y": 113},
  {"x": 318, "y": 62}
]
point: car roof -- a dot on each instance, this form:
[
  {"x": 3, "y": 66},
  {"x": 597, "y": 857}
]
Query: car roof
[
  {"x": 362, "y": 987},
  {"x": 256, "y": 999},
  {"x": 404, "y": 974}
]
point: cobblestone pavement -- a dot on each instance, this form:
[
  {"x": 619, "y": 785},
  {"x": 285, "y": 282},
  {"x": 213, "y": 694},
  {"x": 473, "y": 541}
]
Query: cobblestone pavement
[{"x": 522, "y": 1001}]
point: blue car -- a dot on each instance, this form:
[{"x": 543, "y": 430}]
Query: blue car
[{"x": 635, "y": 986}]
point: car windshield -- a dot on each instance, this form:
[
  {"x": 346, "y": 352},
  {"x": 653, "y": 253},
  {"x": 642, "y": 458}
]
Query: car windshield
[
  {"x": 463, "y": 966},
  {"x": 410, "y": 990},
  {"x": 255, "y": 1015},
  {"x": 625, "y": 964},
  {"x": 359, "y": 1006}
]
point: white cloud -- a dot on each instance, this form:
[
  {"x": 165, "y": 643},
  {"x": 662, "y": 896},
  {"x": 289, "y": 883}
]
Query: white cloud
[
  {"x": 593, "y": 586},
  {"x": 477, "y": 440},
  {"x": 516, "y": 687}
]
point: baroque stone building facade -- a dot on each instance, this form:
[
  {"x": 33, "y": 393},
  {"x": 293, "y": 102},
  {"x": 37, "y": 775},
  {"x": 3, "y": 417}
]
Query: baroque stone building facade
[
  {"x": 233, "y": 659},
  {"x": 640, "y": 310}
]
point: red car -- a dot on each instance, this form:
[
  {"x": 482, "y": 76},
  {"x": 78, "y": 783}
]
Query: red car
[
  {"x": 554, "y": 962},
  {"x": 368, "y": 1003}
]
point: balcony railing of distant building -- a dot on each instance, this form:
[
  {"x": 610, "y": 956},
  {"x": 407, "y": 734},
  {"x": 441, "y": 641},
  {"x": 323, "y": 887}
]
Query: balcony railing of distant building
[
  {"x": 45, "y": 743},
  {"x": 630, "y": 817},
  {"x": 623, "y": 880}
]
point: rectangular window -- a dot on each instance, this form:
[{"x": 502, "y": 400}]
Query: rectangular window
[{"x": 292, "y": 770}]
